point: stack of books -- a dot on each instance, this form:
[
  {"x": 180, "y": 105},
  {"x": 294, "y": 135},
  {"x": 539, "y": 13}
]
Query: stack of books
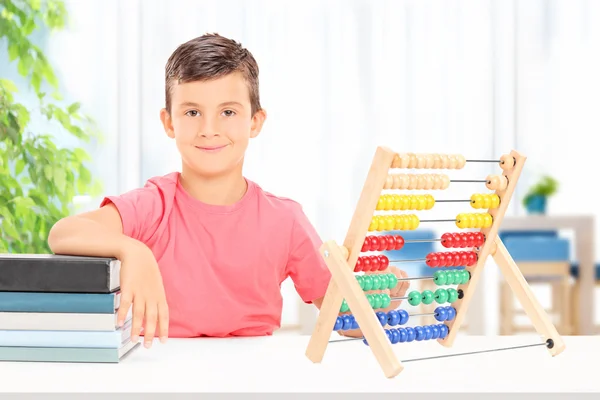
[{"x": 56, "y": 308}]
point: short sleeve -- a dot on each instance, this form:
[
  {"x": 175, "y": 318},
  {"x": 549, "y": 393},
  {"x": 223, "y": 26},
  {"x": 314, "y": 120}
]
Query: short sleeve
[
  {"x": 306, "y": 266},
  {"x": 141, "y": 210}
]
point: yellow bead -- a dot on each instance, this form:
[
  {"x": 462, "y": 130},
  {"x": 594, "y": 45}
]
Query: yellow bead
[
  {"x": 487, "y": 201},
  {"x": 415, "y": 221},
  {"x": 422, "y": 203},
  {"x": 404, "y": 203},
  {"x": 388, "y": 224},
  {"x": 389, "y": 203},
  {"x": 374, "y": 223},
  {"x": 461, "y": 221},
  {"x": 495, "y": 201},
  {"x": 487, "y": 220},
  {"x": 479, "y": 221},
  {"x": 399, "y": 222},
  {"x": 414, "y": 202},
  {"x": 380, "y": 203},
  {"x": 430, "y": 201},
  {"x": 397, "y": 202},
  {"x": 476, "y": 200}
]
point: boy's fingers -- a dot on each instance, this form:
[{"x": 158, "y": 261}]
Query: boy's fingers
[
  {"x": 151, "y": 314},
  {"x": 124, "y": 306},
  {"x": 139, "y": 306},
  {"x": 163, "y": 321}
]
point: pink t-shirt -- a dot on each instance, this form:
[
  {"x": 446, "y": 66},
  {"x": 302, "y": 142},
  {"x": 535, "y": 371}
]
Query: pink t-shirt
[{"x": 222, "y": 266}]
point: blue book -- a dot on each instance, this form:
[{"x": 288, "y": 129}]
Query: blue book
[
  {"x": 66, "y": 355},
  {"x": 81, "y": 303},
  {"x": 67, "y": 339}
]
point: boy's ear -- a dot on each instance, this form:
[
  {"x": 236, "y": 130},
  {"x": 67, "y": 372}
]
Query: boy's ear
[
  {"x": 167, "y": 122},
  {"x": 257, "y": 122}
]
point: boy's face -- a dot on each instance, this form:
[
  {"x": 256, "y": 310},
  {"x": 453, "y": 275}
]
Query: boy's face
[{"x": 212, "y": 123}]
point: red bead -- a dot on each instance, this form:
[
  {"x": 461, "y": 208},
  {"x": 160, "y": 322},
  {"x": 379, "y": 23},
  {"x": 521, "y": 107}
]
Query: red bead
[
  {"x": 391, "y": 242},
  {"x": 381, "y": 243},
  {"x": 399, "y": 242},
  {"x": 464, "y": 259},
  {"x": 481, "y": 239},
  {"x": 456, "y": 259},
  {"x": 366, "y": 245},
  {"x": 374, "y": 261},
  {"x": 384, "y": 262},
  {"x": 472, "y": 258},
  {"x": 447, "y": 240},
  {"x": 373, "y": 243},
  {"x": 441, "y": 260},
  {"x": 432, "y": 260},
  {"x": 359, "y": 265},
  {"x": 366, "y": 264}
]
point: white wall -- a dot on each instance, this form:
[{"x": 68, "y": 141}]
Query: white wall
[{"x": 340, "y": 77}]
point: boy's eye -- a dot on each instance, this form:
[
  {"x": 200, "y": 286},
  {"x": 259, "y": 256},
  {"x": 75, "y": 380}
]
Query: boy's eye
[
  {"x": 192, "y": 113},
  {"x": 229, "y": 113}
]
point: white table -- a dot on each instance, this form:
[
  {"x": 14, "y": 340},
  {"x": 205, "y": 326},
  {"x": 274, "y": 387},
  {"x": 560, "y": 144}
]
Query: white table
[{"x": 278, "y": 364}]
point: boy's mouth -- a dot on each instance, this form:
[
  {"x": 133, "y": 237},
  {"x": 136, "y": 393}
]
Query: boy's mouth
[{"x": 211, "y": 148}]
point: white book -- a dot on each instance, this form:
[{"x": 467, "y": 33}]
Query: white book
[{"x": 29, "y": 321}]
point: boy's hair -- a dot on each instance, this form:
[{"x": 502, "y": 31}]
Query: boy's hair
[{"x": 208, "y": 57}]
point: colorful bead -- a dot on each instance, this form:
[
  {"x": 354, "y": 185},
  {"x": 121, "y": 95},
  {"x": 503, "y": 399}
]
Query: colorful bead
[
  {"x": 347, "y": 322},
  {"x": 419, "y": 333},
  {"x": 428, "y": 332},
  {"x": 440, "y": 278},
  {"x": 392, "y": 281},
  {"x": 393, "y": 318},
  {"x": 414, "y": 298},
  {"x": 435, "y": 332},
  {"x": 367, "y": 283},
  {"x": 443, "y": 331},
  {"x": 441, "y": 296},
  {"x": 344, "y": 307},
  {"x": 382, "y": 317},
  {"x": 403, "y": 335},
  {"x": 339, "y": 323},
  {"x": 451, "y": 313},
  {"x": 440, "y": 313},
  {"x": 410, "y": 334},
  {"x": 403, "y": 317},
  {"x": 427, "y": 297},
  {"x": 385, "y": 300},
  {"x": 376, "y": 282},
  {"x": 452, "y": 295}
]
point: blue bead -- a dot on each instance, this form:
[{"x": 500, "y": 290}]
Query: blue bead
[
  {"x": 443, "y": 331},
  {"x": 347, "y": 322},
  {"x": 354, "y": 324},
  {"x": 435, "y": 330},
  {"x": 420, "y": 333},
  {"x": 403, "y": 335},
  {"x": 339, "y": 322},
  {"x": 389, "y": 334},
  {"x": 393, "y": 318},
  {"x": 382, "y": 317},
  {"x": 411, "y": 334},
  {"x": 365, "y": 342},
  {"x": 451, "y": 313},
  {"x": 403, "y": 317},
  {"x": 441, "y": 314},
  {"x": 428, "y": 332},
  {"x": 395, "y": 336}
]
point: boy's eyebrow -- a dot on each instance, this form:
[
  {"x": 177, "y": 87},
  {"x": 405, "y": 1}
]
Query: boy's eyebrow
[{"x": 227, "y": 103}]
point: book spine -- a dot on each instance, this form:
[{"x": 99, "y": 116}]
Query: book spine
[{"x": 59, "y": 302}]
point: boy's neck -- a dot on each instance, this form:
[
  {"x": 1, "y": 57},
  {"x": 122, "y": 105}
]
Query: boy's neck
[{"x": 217, "y": 190}]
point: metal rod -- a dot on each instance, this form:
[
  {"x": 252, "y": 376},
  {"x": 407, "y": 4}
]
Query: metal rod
[
  {"x": 494, "y": 161},
  {"x": 409, "y": 261},
  {"x": 469, "y": 180},
  {"x": 418, "y": 278},
  {"x": 476, "y": 352},
  {"x": 422, "y": 240},
  {"x": 453, "y": 201},
  {"x": 438, "y": 220}
]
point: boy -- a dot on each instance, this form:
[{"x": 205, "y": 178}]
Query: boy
[{"x": 204, "y": 251}]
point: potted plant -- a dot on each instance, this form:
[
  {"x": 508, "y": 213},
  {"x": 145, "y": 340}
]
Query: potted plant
[
  {"x": 536, "y": 199},
  {"x": 38, "y": 178}
]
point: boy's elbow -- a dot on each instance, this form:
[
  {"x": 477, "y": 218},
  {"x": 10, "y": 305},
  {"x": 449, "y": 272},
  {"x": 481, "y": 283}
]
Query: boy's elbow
[{"x": 57, "y": 233}]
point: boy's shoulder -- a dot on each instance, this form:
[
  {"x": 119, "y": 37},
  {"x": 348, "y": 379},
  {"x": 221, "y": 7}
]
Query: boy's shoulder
[{"x": 277, "y": 203}]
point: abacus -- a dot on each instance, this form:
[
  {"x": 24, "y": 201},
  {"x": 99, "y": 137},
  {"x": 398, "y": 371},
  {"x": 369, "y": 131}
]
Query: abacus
[{"x": 351, "y": 300}]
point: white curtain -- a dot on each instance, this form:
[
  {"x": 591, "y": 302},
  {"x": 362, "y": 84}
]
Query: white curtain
[{"x": 341, "y": 77}]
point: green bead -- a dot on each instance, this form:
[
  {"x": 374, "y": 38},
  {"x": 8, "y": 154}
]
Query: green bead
[
  {"x": 440, "y": 277},
  {"x": 370, "y": 298},
  {"x": 344, "y": 307},
  {"x": 441, "y": 296},
  {"x": 427, "y": 297},
  {"x": 385, "y": 300},
  {"x": 450, "y": 277},
  {"x": 392, "y": 281},
  {"x": 359, "y": 279},
  {"x": 376, "y": 282},
  {"x": 452, "y": 295},
  {"x": 466, "y": 277},
  {"x": 377, "y": 300},
  {"x": 368, "y": 283},
  {"x": 459, "y": 277},
  {"x": 414, "y": 298}
]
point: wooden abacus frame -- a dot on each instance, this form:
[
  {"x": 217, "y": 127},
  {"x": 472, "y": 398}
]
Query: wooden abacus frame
[{"x": 343, "y": 285}]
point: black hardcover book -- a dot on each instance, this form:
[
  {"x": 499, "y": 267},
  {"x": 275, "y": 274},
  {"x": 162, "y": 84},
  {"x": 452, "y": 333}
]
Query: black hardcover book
[{"x": 58, "y": 273}]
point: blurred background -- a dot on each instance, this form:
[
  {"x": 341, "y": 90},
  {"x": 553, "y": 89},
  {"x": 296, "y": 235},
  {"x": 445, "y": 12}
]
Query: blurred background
[{"x": 338, "y": 78}]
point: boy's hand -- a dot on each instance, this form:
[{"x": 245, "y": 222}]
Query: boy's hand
[
  {"x": 141, "y": 284},
  {"x": 402, "y": 286}
]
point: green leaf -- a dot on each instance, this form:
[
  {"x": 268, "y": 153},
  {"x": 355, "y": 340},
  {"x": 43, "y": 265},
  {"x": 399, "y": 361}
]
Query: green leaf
[
  {"x": 73, "y": 108},
  {"x": 19, "y": 166},
  {"x": 60, "y": 179},
  {"x": 8, "y": 85}
]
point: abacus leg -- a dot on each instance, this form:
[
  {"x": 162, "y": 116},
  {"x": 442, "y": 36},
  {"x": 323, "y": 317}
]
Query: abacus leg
[
  {"x": 519, "y": 286},
  {"x": 345, "y": 286}
]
